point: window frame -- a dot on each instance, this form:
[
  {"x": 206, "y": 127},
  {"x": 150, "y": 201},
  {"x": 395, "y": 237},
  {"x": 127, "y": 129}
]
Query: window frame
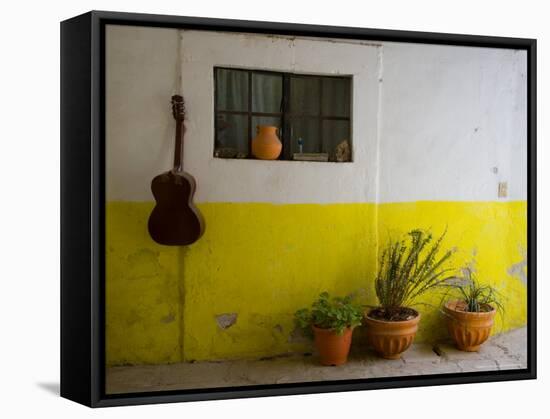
[{"x": 286, "y": 114}]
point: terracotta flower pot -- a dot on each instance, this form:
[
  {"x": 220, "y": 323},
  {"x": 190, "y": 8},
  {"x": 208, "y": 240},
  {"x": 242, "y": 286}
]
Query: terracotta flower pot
[
  {"x": 391, "y": 338},
  {"x": 266, "y": 145},
  {"x": 333, "y": 348},
  {"x": 469, "y": 330}
]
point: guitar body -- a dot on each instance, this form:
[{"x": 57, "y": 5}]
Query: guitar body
[{"x": 175, "y": 221}]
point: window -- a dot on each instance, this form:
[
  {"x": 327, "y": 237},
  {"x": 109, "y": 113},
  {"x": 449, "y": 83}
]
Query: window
[{"x": 312, "y": 113}]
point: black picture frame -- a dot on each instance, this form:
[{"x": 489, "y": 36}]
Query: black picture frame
[{"x": 83, "y": 206}]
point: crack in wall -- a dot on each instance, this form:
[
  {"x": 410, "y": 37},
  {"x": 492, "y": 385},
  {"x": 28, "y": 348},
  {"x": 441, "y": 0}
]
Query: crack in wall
[{"x": 181, "y": 301}]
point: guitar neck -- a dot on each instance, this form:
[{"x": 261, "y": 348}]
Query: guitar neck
[
  {"x": 178, "y": 152},
  {"x": 178, "y": 111}
]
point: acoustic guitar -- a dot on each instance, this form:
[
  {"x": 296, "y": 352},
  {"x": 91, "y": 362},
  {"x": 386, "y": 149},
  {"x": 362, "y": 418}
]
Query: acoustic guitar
[{"x": 175, "y": 221}]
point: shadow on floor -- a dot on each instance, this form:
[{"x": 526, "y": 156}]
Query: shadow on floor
[{"x": 52, "y": 388}]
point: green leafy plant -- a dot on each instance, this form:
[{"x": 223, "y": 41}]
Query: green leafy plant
[
  {"x": 477, "y": 297},
  {"x": 409, "y": 267},
  {"x": 336, "y": 313}
]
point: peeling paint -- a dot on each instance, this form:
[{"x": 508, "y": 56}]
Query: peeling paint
[
  {"x": 519, "y": 270},
  {"x": 226, "y": 320}
]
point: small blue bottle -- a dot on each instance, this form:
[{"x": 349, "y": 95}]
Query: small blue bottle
[{"x": 300, "y": 145}]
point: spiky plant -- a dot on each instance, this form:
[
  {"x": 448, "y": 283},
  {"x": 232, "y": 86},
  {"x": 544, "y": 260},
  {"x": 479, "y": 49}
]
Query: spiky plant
[
  {"x": 477, "y": 297},
  {"x": 409, "y": 267}
]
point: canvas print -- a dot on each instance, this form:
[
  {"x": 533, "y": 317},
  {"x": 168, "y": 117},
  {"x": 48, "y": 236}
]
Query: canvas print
[{"x": 289, "y": 209}]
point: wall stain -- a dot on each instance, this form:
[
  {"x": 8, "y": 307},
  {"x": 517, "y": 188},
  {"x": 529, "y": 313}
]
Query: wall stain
[
  {"x": 519, "y": 270},
  {"x": 226, "y": 320},
  {"x": 168, "y": 318},
  {"x": 298, "y": 336}
]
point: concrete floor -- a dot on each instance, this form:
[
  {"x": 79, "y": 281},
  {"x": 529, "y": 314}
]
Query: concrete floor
[{"x": 502, "y": 352}]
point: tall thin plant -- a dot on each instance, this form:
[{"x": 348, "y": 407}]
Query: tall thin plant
[{"x": 409, "y": 267}]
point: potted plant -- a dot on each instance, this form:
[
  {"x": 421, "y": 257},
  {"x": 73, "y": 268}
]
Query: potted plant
[
  {"x": 408, "y": 268},
  {"x": 470, "y": 317},
  {"x": 332, "y": 321}
]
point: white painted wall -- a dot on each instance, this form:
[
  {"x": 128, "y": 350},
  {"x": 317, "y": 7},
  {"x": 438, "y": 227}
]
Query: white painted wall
[
  {"x": 450, "y": 116},
  {"x": 141, "y": 76},
  {"x": 429, "y": 122}
]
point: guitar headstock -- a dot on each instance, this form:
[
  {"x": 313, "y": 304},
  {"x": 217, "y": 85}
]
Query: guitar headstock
[{"x": 178, "y": 107}]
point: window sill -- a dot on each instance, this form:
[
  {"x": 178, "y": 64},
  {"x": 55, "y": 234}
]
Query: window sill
[{"x": 249, "y": 159}]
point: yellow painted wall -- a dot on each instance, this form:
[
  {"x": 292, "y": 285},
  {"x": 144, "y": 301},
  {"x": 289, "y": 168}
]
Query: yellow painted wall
[
  {"x": 264, "y": 261},
  {"x": 143, "y": 303}
]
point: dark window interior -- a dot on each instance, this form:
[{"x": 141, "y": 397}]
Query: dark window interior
[{"x": 308, "y": 109}]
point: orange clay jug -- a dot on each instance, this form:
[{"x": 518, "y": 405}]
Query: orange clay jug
[{"x": 266, "y": 145}]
